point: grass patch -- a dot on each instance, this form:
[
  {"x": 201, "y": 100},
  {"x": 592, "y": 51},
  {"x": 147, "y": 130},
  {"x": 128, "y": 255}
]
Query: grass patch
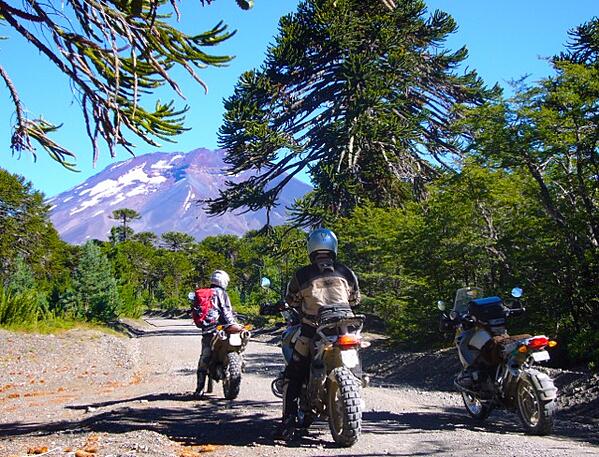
[{"x": 56, "y": 326}]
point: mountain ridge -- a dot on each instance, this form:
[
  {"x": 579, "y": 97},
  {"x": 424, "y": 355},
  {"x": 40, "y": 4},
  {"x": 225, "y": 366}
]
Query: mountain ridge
[{"x": 164, "y": 187}]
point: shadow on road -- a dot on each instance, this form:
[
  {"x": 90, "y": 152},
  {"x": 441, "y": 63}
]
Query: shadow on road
[
  {"x": 214, "y": 421},
  {"x": 135, "y": 331},
  {"x": 245, "y": 422},
  {"x": 267, "y": 365},
  {"x": 451, "y": 419}
]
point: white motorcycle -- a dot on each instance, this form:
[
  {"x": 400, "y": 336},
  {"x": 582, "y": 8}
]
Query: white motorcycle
[{"x": 498, "y": 368}]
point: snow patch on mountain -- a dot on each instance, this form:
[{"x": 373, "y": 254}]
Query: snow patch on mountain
[{"x": 165, "y": 189}]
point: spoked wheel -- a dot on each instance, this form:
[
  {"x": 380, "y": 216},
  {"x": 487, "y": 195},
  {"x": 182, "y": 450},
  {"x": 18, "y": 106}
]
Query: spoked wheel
[
  {"x": 536, "y": 414},
  {"x": 477, "y": 409},
  {"x": 232, "y": 376},
  {"x": 344, "y": 407}
]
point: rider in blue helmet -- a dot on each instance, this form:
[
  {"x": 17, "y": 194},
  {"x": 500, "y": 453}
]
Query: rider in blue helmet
[{"x": 324, "y": 282}]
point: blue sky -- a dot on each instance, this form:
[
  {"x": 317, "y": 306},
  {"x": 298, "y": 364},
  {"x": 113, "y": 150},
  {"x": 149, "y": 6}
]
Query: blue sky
[{"x": 506, "y": 40}]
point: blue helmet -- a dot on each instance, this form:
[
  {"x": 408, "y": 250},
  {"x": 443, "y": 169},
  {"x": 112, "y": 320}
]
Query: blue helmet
[{"x": 322, "y": 240}]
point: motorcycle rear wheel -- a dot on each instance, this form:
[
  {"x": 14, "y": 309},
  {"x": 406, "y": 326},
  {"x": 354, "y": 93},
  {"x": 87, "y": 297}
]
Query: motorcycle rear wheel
[
  {"x": 476, "y": 409},
  {"x": 535, "y": 414},
  {"x": 232, "y": 378},
  {"x": 344, "y": 407}
]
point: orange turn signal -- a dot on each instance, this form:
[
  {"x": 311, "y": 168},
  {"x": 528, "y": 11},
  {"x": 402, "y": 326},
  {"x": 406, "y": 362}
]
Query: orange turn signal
[
  {"x": 348, "y": 340},
  {"x": 219, "y": 327},
  {"x": 552, "y": 343},
  {"x": 523, "y": 349},
  {"x": 248, "y": 326}
]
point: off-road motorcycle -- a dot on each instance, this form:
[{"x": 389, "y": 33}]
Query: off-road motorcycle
[
  {"x": 226, "y": 361},
  {"x": 502, "y": 374},
  {"x": 333, "y": 390}
]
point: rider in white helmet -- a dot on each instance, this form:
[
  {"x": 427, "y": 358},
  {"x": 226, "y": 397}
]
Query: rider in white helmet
[
  {"x": 221, "y": 313},
  {"x": 324, "y": 282}
]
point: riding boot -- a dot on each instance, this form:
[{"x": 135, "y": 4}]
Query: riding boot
[
  {"x": 201, "y": 375},
  {"x": 287, "y": 427}
]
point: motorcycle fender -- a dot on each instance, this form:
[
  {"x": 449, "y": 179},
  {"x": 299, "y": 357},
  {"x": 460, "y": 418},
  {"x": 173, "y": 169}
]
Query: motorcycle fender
[
  {"x": 544, "y": 385},
  {"x": 349, "y": 358},
  {"x": 331, "y": 376},
  {"x": 479, "y": 339},
  {"x": 235, "y": 339}
]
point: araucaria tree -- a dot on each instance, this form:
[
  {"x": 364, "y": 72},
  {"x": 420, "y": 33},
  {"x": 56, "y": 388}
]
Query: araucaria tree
[
  {"x": 360, "y": 95},
  {"x": 125, "y": 216},
  {"x": 115, "y": 54}
]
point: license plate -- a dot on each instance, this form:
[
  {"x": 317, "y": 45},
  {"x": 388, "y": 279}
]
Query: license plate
[
  {"x": 349, "y": 358},
  {"x": 540, "y": 356},
  {"x": 235, "y": 339}
]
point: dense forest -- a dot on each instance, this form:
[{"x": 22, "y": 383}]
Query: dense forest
[{"x": 431, "y": 182}]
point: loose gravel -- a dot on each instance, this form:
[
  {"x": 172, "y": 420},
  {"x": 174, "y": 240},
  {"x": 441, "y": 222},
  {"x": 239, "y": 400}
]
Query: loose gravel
[{"x": 90, "y": 394}]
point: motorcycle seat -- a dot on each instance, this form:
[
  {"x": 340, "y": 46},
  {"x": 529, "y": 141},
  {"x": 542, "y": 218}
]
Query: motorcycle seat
[{"x": 233, "y": 329}]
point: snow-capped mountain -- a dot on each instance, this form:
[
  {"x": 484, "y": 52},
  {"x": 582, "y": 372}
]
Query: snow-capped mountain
[{"x": 164, "y": 188}]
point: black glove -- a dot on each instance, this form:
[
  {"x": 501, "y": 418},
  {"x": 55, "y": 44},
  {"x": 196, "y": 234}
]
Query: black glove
[
  {"x": 267, "y": 309},
  {"x": 281, "y": 305}
]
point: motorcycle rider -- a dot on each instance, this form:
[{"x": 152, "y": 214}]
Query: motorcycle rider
[
  {"x": 323, "y": 282},
  {"x": 221, "y": 313}
]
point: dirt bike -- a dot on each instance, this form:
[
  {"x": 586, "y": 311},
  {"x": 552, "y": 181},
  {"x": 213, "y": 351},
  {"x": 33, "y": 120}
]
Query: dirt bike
[
  {"x": 333, "y": 388},
  {"x": 502, "y": 374},
  {"x": 227, "y": 359}
]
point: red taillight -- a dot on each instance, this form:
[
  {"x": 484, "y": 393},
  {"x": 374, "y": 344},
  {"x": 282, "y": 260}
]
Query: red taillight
[
  {"x": 348, "y": 341},
  {"x": 538, "y": 342}
]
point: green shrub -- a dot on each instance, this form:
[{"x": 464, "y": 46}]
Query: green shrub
[
  {"x": 132, "y": 303},
  {"x": 27, "y": 307}
]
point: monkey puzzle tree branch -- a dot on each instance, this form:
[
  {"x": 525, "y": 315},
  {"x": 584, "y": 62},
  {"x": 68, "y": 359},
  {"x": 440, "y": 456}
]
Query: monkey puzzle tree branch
[{"x": 116, "y": 54}]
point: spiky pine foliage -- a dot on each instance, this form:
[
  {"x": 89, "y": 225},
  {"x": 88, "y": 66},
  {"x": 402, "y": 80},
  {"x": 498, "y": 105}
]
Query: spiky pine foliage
[
  {"x": 359, "y": 94},
  {"x": 116, "y": 55}
]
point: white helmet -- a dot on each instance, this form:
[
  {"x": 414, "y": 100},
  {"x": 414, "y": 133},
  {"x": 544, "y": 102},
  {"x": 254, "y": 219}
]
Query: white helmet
[
  {"x": 322, "y": 240},
  {"x": 220, "y": 278}
]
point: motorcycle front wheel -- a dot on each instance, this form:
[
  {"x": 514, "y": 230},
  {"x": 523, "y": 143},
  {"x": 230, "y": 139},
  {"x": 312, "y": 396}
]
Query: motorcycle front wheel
[
  {"x": 344, "y": 407},
  {"x": 232, "y": 377},
  {"x": 476, "y": 409},
  {"x": 536, "y": 414}
]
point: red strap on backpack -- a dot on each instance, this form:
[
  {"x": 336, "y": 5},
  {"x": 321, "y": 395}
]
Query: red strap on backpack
[{"x": 202, "y": 305}]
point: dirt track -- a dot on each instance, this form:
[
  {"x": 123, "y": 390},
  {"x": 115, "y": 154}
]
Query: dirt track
[{"x": 134, "y": 400}]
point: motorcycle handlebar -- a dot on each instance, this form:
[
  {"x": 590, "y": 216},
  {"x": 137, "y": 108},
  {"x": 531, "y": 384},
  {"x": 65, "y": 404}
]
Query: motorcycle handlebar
[
  {"x": 517, "y": 311},
  {"x": 270, "y": 309}
]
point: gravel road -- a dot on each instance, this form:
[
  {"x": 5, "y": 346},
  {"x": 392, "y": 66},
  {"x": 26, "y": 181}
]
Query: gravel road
[{"x": 84, "y": 394}]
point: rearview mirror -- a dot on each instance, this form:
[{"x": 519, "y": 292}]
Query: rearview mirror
[
  {"x": 265, "y": 282},
  {"x": 441, "y": 305},
  {"x": 517, "y": 292}
]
